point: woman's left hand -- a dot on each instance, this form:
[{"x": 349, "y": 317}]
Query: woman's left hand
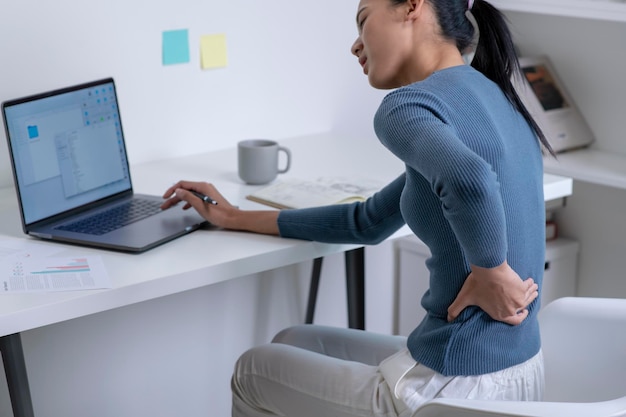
[{"x": 499, "y": 292}]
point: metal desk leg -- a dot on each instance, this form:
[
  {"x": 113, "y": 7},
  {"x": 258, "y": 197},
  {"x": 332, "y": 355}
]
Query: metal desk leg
[
  {"x": 17, "y": 379},
  {"x": 315, "y": 282},
  {"x": 355, "y": 286}
]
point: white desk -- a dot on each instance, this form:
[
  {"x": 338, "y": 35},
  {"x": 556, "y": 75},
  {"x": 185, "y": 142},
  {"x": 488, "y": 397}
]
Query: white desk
[{"x": 202, "y": 258}]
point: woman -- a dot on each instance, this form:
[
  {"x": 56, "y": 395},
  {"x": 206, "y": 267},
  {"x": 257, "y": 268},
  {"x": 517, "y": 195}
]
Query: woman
[{"x": 472, "y": 191}]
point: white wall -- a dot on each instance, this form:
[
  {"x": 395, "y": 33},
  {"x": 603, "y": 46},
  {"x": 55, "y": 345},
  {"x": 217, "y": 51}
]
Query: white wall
[
  {"x": 289, "y": 74},
  {"x": 289, "y": 67}
]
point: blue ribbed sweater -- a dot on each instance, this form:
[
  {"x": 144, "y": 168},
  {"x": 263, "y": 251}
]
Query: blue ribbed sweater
[{"x": 472, "y": 192}]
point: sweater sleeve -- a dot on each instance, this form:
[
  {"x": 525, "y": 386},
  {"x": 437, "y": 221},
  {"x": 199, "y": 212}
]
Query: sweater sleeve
[
  {"x": 412, "y": 125},
  {"x": 368, "y": 222}
]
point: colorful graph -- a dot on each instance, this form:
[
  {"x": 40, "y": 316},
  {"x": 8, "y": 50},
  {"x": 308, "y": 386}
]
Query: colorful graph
[
  {"x": 54, "y": 274},
  {"x": 75, "y": 265}
]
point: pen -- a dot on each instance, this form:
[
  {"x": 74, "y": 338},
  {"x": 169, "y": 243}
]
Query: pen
[{"x": 203, "y": 197}]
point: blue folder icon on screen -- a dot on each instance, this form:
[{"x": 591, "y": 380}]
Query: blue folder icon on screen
[{"x": 33, "y": 132}]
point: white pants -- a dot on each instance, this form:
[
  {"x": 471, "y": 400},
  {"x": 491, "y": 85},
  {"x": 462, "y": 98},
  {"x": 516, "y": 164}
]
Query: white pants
[{"x": 313, "y": 371}]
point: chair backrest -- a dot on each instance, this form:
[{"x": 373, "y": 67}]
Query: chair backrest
[{"x": 584, "y": 346}]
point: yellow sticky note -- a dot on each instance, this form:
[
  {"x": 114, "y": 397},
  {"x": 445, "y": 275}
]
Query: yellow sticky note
[{"x": 213, "y": 51}]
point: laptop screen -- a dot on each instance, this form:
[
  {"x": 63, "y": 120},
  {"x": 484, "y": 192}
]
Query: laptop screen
[{"x": 67, "y": 148}]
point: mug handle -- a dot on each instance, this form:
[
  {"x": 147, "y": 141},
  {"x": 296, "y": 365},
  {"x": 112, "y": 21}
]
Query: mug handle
[{"x": 288, "y": 154}]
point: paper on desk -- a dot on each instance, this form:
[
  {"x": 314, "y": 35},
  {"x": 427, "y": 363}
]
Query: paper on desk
[
  {"x": 25, "y": 275},
  {"x": 28, "y": 267}
]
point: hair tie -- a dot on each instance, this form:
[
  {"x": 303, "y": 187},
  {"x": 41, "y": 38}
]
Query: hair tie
[{"x": 470, "y": 4}]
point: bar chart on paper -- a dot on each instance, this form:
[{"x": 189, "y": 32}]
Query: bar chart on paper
[{"x": 53, "y": 274}]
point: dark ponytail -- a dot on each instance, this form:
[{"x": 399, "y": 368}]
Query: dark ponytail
[
  {"x": 496, "y": 58},
  {"x": 494, "y": 54}
]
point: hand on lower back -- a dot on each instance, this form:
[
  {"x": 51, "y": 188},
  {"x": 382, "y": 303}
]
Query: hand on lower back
[{"x": 499, "y": 292}]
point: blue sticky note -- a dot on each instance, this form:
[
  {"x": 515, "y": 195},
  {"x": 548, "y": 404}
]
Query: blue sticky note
[
  {"x": 33, "y": 132},
  {"x": 175, "y": 47}
]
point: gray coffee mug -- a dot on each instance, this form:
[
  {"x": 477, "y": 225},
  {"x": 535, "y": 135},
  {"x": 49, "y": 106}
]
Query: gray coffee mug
[{"x": 258, "y": 160}]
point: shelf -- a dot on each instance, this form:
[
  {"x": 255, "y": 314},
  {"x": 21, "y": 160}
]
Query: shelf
[
  {"x": 590, "y": 165},
  {"x": 610, "y": 10},
  {"x": 556, "y": 187}
]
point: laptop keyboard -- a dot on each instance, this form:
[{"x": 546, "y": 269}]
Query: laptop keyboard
[{"x": 114, "y": 218}]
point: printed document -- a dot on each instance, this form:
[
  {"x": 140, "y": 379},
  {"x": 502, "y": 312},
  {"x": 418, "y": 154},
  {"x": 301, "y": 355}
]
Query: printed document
[{"x": 28, "y": 267}]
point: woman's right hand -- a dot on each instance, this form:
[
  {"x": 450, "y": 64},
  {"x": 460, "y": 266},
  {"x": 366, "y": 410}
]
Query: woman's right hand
[
  {"x": 223, "y": 214},
  {"x": 216, "y": 214}
]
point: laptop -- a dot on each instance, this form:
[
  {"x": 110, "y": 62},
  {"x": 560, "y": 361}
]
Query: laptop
[{"x": 72, "y": 177}]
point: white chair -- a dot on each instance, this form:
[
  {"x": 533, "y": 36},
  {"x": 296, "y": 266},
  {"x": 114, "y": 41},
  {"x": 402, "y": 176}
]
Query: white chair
[{"x": 584, "y": 347}]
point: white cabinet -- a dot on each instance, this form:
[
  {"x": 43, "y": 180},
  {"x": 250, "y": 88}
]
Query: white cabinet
[
  {"x": 411, "y": 278},
  {"x": 411, "y": 282},
  {"x": 559, "y": 275}
]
